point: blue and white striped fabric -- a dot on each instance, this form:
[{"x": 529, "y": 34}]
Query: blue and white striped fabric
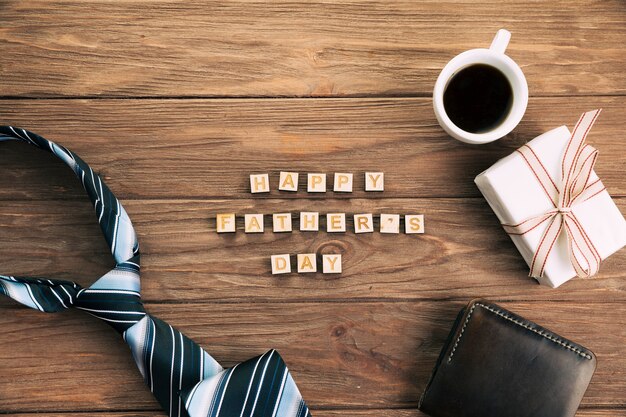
[{"x": 185, "y": 379}]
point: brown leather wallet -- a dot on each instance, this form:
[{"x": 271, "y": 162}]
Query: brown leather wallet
[{"x": 497, "y": 364}]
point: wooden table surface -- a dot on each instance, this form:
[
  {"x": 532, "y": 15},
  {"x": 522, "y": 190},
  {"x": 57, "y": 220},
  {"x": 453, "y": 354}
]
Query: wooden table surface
[{"x": 175, "y": 103}]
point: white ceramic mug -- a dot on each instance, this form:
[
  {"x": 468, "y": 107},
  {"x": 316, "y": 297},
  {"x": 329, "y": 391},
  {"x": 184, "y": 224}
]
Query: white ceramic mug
[{"x": 495, "y": 57}]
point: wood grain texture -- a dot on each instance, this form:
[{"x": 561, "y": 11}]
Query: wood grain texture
[
  {"x": 464, "y": 253},
  {"x": 208, "y": 148},
  {"x": 318, "y": 413},
  {"x": 368, "y": 355},
  {"x": 301, "y": 48}
]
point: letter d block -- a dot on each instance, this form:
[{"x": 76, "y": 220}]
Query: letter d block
[
  {"x": 331, "y": 264},
  {"x": 281, "y": 264},
  {"x": 307, "y": 263},
  {"x": 225, "y": 223}
]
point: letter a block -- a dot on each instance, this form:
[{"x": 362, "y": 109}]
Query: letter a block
[
  {"x": 281, "y": 222},
  {"x": 413, "y": 223},
  {"x": 288, "y": 181},
  {"x": 374, "y": 181},
  {"x": 260, "y": 183},
  {"x": 335, "y": 222},
  {"x": 225, "y": 223},
  {"x": 389, "y": 223},
  {"x": 307, "y": 263},
  {"x": 316, "y": 183},
  {"x": 363, "y": 223},
  {"x": 331, "y": 264},
  {"x": 343, "y": 183},
  {"x": 253, "y": 223},
  {"x": 281, "y": 264}
]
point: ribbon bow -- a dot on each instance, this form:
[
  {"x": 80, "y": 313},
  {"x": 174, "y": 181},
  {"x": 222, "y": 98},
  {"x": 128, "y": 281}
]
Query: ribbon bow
[{"x": 575, "y": 188}]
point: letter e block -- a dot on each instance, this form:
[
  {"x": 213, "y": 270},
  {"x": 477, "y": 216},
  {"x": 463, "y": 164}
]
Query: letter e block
[
  {"x": 343, "y": 183},
  {"x": 253, "y": 223},
  {"x": 307, "y": 263},
  {"x": 363, "y": 223},
  {"x": 288, "y": 181},
  {"x": 374, "y": 181},
  {"x": 335, "y": 222},
  {"x": 331, "y": 264},
  {"x": 316, "y": 183},
  {"x": 309, "y": 221},
  {"x": 281, "y": 222},
  {"x": 281, "y": 264},
  {"x": 414, "y": 223},
  {"x": 260, "y": 183},
  {"x": 225, "y": 223},
  {"x": 389, "y": 223}
]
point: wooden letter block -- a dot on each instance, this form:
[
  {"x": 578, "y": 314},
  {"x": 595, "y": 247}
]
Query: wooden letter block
[
  {"x": 260, "y": 183},
  {"x": 281, "y": 264},
  {"x": 225, "y": 223},
  {"x": 413, "y": 223},
  {"x": 374, "y": 181},
  {"x": 309, "y": 221},
  {"x": 281, "y": 222},
  {"x": 316, "y": 183},
  {"x": 288, "y": 181},
  {"x": 363, "y": 223},
  {"x": 343, "y": 183},
  {"x": 253, "y": 223},
  {"x": 335, "y": 222},
  {"x": 331, "y": 264},
  {"x": 307, "y": 262},
  {"x": 389, "y": 223}
]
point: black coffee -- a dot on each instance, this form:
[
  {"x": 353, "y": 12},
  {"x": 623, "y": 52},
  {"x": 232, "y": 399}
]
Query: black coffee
[{"x": 478, "y": 98}]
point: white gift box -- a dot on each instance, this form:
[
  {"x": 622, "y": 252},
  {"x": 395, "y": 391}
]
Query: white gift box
[{"x": 514, "y": 194}]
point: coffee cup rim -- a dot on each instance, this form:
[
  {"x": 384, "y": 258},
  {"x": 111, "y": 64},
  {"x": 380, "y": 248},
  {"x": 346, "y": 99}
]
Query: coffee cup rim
[{"x": 514, "y": 75}]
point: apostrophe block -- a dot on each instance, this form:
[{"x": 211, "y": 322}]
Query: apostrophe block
[
  {"x": 389, "y": 223},
  {"x": 331, "y": 264},
  {"x": 335, "y": 222},
  {"x": 413, "y": 223},
  {"x": 254, "y": 223},
  {"x": 259, "y": 183},
  {"x": 288, "y": 181},
  {"x": 374, "y": 181},
  {"x": 309, "y": 221},
  {"x": 316, "y": 183},
  {"x": 225, "y": 223},
  {"x": 363, "y": 223},
  {"x": 281, "y": 264},
  {"x": 343, "y": 183},
  {"x": 281, "y": 222},
  {"x": 307, "y": 262}
]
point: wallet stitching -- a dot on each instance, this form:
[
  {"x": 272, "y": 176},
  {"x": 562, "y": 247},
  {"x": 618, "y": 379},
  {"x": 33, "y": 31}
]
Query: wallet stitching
[{"x": 519, "y": 323}]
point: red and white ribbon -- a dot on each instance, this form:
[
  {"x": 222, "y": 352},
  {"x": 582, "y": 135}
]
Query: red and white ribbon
[{"x": 575, "y": 187}]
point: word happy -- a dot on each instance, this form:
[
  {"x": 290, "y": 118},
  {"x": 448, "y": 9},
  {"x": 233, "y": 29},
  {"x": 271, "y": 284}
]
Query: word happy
[{"x": 316, "y": 182}]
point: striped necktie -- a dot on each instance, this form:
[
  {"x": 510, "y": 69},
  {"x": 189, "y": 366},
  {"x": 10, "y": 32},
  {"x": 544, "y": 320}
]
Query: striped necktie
[{"x": 185, "y": 379}]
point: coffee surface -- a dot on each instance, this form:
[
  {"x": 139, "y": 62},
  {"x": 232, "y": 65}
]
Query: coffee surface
[{"x": 478, "y": 98}]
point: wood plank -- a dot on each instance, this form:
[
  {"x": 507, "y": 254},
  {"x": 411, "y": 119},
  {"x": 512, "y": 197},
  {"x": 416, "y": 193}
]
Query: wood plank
[
  {"x": 208, "y": 148},
  {"x": 613, "y": 412},
  {"x": 321, "y": 48},
  {"x": 369, "y": 355},
  {"x": 464, "y": 253}
]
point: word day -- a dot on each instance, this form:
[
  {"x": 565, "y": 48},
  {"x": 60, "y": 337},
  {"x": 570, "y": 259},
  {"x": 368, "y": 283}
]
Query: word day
[
  {"x": 316, "y": 182},
  {"x": 306, "y": 262},
  {"x": 310, "y": 221}
]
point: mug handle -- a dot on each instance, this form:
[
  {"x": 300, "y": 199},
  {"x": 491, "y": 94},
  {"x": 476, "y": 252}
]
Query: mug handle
[{"x": 500, "y": 41}]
